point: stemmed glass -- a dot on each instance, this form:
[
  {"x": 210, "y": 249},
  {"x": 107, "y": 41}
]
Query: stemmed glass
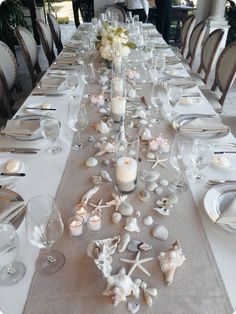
[
  {"x": 44, "y": 227},
  {"x": 50, "y": 128},
  {"x": 88, "y": 75},
  {"x": 158, "y": 98},
  {"x": 181, "y": 147},
  {"x": 175, "y": 95},
  {"x": 78, "y": 124},
  {"x": 72, "y": 79},
  {"x": 10, "y": 271},
  {"x": 160, "y": 62},
  {"x": 202, "y": 153}
]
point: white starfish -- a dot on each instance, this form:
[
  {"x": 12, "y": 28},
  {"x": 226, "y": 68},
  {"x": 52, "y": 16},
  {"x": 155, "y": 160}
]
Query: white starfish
[
  {"x": 157, "y": 161},
  {"x": 137, "y": 263},
  {"x": 98, "y": 206}
]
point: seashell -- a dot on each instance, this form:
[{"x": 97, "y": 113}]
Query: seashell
[
  {"x": 105, "y": 175},
  {"x": 160, "y": 232},
  {"x": 116, "y": 217},
  {"x": 144, "y": 247},
  {"x": 101, "y": 127},
  {"x": 97, "y": 145},
  {"x": 103, "y": 139},
  {"x": 138, "y": 282},
  {"x": 148, "y": 220},
  {"x": 131, "y": 93},
  {"x": 133, "y": 245},
  {"x": 105, "y": 148},
  {"x": 158, "y": 191},
  {"x": 138, "y": 213},
  {"x": 131, "y": 225},
  {"x": 152, "y": 186},
  {"x": 91, "y": 139},
  {"x": 140, "y": 113},
  {"x": 148, "y": 293},
  {"x": 125, "y": 209},
  {"x": 144, "y": 196},
  {"x": 96, "y": 180},
  {"x": 102, "y": 110},
  {"x": 151, "y": 156},
  {"x": 143, "y": 122},
  {"x": 90, "y": 193},
  {"x": 162, "y": 210},
  {"x": 147, "y": 298},
  {"x": 133, "y": 307},
  {"x": 146, "y": 135},
  {"x": 170, "y": 261},
  {"x": 164, "y": 182},
  {"x": 106, "y": 162},
  {"x": 173, "y": 199},
  {"x": 91, "y": 162},
  {"x": 124, "y": 241},
  {"x": 164, "y": 206},
  {"x": 149, "y": 175}
]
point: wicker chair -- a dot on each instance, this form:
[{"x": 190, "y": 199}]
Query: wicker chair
[{"x": 55, "y": 31}]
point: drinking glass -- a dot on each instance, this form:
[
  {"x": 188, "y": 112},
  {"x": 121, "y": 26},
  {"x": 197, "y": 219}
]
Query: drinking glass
[
  {"x": 158, "y": 98},
  {"x": 44, "y": 227},
  {"x": 180, "y": 148},
  {"x": 202, "y": 153},
  {"x": 78, "y": 124},
  {"x": 10, "y": 271},
  {"x": 118, "y": 98},
  {"x": 160, "y": 62},
  {"x": 72, "y": 79},
  {"x": 175, "y": 95},
  {"x": 88, "y": 75},
  {"x": 50, "y": 128}
]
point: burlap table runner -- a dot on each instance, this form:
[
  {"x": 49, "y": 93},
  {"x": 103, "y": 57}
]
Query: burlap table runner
[{"x": 78, "y": 286}]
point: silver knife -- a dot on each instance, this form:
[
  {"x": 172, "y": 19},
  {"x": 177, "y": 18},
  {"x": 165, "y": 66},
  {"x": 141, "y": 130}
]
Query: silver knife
[
  {"x": 227, "y": 152},
  {"x": 12, "y": 174},
  {"x": 48, "y": 94},
  {"x": 34, "y": 108},
  {"x": 19, "y": 150}
]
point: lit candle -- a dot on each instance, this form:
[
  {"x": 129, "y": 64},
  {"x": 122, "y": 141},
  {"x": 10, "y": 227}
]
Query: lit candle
[
  {"x": 94, "y": 223},
  {"x": 118, "y": 105},
  {"x": 76, "y": 225},
  {"x": 126, "y": 173},
  {"x": 82, "y": 211}
]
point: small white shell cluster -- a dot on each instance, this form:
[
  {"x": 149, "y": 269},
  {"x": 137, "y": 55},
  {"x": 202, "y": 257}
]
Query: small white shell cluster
[
  {"x": 164, "y": 205},
  {"x": 104, "y": 148},
  {"x": 148, "y": 293},
  {"x": 101, "y": 127}
]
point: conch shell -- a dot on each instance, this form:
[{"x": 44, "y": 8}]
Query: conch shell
[
  {"x": 104, "y": 148},
  {"x": 171, "y": 260},
  {"x": 101, "y": 127}
]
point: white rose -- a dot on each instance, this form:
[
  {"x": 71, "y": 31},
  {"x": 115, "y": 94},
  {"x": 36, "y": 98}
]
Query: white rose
[{"x": 125, "y": 51}]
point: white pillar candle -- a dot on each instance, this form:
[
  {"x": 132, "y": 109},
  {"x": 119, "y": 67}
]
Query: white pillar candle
[
  {"x": 117, "y": 84},
  {"x": 82, "y": 211},
  {"x": 118, "y": 105},
  {"x": 126, "y": 170},
  {"x": 76, "y": 225},
  {"x": 94, "y": 223}
]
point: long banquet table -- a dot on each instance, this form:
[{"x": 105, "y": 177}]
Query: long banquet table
[{"x": 205, "y": 283}]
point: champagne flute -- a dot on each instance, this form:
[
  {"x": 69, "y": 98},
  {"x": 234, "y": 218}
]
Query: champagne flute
[
  {"x": 81, "y": 123},
  {"x": 50, "y": 128},
  {"x": 10, "y": 271},
  {"x": 44, "y": 227},
  {"x": 175, "y": 95},
  {"x": 202, "y": 153}
]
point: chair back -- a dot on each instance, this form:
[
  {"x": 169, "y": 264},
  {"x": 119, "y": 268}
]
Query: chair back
[
  {"x": 55, "y": 31},
  {"x": 5, "y": 107},
  {"x": 117, "y": 9},
  {"x": 208, "y": 53},
  {"x": 195, "y": 41},
  {"x": 46, "y": 40},
  {"x": 8, "y": 67},
  {"x": 225, "y": 70},
  {"x": 30, "y": 51},
  {"x": 185, "y": 33}
]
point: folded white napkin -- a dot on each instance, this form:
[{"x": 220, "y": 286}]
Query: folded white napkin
[
  {"x": 68, "y": 60},
  {"x": 73, "y": 44},
  {"x": 21, "y": 127},
  {"x": 229, "y": 214},
  {"x": 52, "y": 82},
  {"x": 184, "y": 82},
  {"x": 8, "y": 210},
  {"x": 208, "y": 125}
]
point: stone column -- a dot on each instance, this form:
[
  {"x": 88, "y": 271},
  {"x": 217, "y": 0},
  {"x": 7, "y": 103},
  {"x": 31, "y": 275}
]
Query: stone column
[{"x": 203, "y": 10}]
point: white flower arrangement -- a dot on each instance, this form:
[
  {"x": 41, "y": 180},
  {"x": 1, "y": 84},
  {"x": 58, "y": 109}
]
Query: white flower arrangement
[{"x": 110, "y": 37}]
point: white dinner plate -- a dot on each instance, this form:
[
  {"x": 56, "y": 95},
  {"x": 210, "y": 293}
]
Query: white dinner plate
[
  {"x": 4, "y": 180},
  {"x": 216, "y": 200}
]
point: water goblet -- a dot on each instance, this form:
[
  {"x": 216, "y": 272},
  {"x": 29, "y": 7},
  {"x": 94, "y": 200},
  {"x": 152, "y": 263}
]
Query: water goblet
[
  {"x": 10, "y": 271},
  {"x": 175, "y": 95},
  {"x": 79, "y": 124},
  {"x": 72, "y": 79},
  {"x": 44, "y": 227},
  {"x": 202, "y": 153},
  {"x": 50, "y": 128}
]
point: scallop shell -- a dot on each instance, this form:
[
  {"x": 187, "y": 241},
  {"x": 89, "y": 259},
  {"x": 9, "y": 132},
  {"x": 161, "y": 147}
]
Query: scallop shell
[
  {"x": 131, "y": 225},
  {"x": 144, "y": 196},
  {"x": 91, "y": 162},
  {"x": 160, "y": 232},
  {"x": 150, "y": 156},
  {"x": 148, "y": 220},
  {"x": 116, "y": 217},
  {"x": 125, "y": 209},
  {"x": 124, "y": 241},
  {"x": 152, "y": 186},
  {"x": 149, "y": 175},
  {"x": 133, "y": 307},
  {"x": 105, "y": 175}
]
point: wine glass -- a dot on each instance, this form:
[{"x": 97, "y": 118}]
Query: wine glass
[
  {"x": 50, "y": 128},
  {"x": 202, "y": 153},
  {"x": 158, "y": 98},
  {"x": 44, "y": 227},
  {"x": 78, "y": 125},
  {"x": 72, "y": 79},
  {"x": 10, "y": 271},
  {"x": 175, "y": 95},
  {"x": 160, "y": 62},
  {"x": 180, "y": 148},
  {"x": 88, "y": 75}
]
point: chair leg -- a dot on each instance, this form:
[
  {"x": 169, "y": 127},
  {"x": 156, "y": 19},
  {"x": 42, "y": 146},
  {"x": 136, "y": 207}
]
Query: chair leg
[{"x": 214, "y": 86}]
